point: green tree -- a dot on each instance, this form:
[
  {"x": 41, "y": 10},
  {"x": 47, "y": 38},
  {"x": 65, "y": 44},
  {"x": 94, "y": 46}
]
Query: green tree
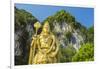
[
  {"x": 91, "y": 34},
  {"x": 67, "y": 53},
  {"x": 85, "y": 53},
  {"x": 22, "y": 18}
]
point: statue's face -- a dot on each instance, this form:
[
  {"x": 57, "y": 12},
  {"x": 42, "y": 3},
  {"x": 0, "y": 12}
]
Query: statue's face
[{"x": 46, "y": 28}]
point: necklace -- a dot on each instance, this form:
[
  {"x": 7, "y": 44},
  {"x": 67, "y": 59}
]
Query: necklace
[{"x": 46, "y": 39}]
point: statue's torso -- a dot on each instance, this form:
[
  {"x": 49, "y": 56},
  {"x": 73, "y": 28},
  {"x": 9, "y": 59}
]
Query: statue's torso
[{"x": 45, "y": 42}]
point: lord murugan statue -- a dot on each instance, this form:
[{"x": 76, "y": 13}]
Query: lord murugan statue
[{"x": 44, "y": 47}]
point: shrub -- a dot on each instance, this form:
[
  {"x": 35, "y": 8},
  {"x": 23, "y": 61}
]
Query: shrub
[{"x": 85, "y": 53}]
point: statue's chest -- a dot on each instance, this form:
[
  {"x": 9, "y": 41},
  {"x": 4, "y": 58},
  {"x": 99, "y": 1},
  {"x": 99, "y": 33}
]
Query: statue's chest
[{"x": 45, "y": 41}]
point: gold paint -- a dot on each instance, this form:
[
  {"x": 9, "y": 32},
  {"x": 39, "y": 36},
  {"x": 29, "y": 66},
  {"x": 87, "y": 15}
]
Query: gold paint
[{"x": 44, "y": 48}]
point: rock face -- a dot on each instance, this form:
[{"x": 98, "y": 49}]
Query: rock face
[
  {"x": 75, "y": 39},
  {"x": 67, "y": 32},
  {"x": 18, "y": 50},
  {"x": 24, "y": 30},
  {"x": 22, "y": 44}
]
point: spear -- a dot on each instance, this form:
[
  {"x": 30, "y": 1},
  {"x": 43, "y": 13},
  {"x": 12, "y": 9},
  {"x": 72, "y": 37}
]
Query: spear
[{"x": 37, "y": 25}]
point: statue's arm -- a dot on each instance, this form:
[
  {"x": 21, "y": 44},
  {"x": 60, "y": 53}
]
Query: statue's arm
[
  {"x": 53, "y": 44},
  {"x": 56, "y": 49},
  {"x": 39, "y": 45}
]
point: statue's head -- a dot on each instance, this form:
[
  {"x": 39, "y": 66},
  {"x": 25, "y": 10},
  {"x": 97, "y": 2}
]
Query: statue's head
[{"x": 46, "y": 27}]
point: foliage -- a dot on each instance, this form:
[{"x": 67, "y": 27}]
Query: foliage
[
  {"x": 85, "y": 53},
  {"x": 68, "y": 36},
  {"x": 62, "y": 16},
  {"x": 91, "y": 34},
  {"x": 22, "y": 18},
  {"x": 67, "y": 53}
]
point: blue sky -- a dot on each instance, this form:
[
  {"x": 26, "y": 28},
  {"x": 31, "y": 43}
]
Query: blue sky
[{"x": 83, "y": 15}]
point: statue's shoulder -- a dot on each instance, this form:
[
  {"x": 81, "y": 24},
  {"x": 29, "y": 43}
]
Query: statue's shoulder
[
  {"x": 35, "y": 37},
  {"x": 39, "y": 36},
  {"x": 52, "y": 35}
]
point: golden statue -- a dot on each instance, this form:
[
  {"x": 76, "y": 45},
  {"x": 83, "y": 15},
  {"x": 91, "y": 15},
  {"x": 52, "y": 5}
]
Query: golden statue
[{"x": 44, "y": 48}]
